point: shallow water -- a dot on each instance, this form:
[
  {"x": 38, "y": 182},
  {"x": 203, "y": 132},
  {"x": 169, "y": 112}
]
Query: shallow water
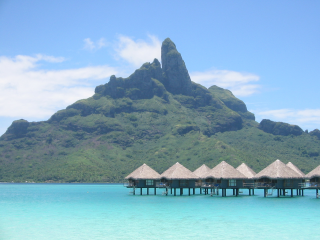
[{"x": 108, "y": 211}]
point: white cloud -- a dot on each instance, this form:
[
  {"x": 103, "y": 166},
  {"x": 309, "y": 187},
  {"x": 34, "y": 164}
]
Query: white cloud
[
  {"x": 27, "y": 91},
  {"x": 239, "y": 83},
  {"x": 308, "y": 118},
  {"x": 138, "y": 52},
  {"x": 90, "y": 45}
]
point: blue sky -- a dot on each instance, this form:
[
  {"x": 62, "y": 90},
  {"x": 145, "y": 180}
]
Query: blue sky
[{"x": 267, "y": 53}]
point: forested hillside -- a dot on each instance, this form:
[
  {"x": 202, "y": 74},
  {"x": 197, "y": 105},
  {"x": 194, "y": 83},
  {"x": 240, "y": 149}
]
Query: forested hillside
[{"x": 156, "y": 116}]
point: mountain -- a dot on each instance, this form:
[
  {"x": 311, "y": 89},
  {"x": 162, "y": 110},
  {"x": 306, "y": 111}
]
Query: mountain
[{"x": 156, "y": 116}]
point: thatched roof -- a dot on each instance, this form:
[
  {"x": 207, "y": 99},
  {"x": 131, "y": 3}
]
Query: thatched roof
[
  {"x": 314, "y": 173},
  {"x": 224, "y": 171},
  {"x": 246, "y": 170},
  {"x": 143, "y": 172},
  {"x": 296, "y": 169},
  {"x": 277, "y": 170},
  {"x": 201, "y": 170},
  {"x": 177, "y": 171}
]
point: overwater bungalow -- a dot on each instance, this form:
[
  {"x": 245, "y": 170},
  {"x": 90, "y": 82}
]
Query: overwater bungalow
[
  {"x": 143, "y": 177},
  {"x": 178, "y": 176},
  {"x": 314, "y": 180},
  {"x": 200, "y": 172},
  {"x": 297, "y": 170},
  {"x": 223, "y": 176},
  {"x": 249, "y": 173},
  {"x": 314, "y": 177},
  {"x": 278, "y": 176}
]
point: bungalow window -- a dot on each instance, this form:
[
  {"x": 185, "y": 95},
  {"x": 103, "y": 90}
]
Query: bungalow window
[
  {"x": 232, "y": 182},
  {"x": 149, "y": 182}
]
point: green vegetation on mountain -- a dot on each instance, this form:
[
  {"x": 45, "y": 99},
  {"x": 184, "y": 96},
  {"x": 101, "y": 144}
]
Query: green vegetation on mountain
[
  {"x": 279, "y": 128},
  {"x": 156, "y": 116}
]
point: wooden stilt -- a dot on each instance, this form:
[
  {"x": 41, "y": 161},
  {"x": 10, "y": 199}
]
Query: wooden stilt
[
  {"x": 284, "y": 192},
  {"x": 237, "y": 192},
  {"x": 291, "y": 192},
  {"x": 265, "y": 192},
  {"x": 252, "y": 191},
  {"x": 302, "y": 191},
  {"x": 140, "y": 191},
  {"x": 297, "y": 192},
  {"x": 174, "y": 191},
  {"x": 278, "y": 192},
  {"x": 217, "y": 191},
  {"x": 147, "y": 191},
  {"x": 194, "y": 191},
  {"x": 155, "y": 191},
  {"x": 189, "y": 191},
  {"x": 200, "y": 190},
  {"x": 249, "y": 191},
  {"x": 171, "y": 191},
  {"x": 134, "y": 191},
  {"x": 181, "y": 191}
]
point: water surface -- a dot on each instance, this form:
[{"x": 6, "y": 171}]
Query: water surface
[{"x": 108, "y": 211}]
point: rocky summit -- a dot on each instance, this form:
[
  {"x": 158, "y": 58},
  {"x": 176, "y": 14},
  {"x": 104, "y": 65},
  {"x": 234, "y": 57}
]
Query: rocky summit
[
  {"x": 175, "y": 74},
  {"x": 156, "y": 116}
]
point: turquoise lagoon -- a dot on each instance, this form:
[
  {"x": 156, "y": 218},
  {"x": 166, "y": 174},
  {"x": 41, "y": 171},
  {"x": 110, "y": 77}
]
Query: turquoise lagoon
[{"x": 108, "y": 211}]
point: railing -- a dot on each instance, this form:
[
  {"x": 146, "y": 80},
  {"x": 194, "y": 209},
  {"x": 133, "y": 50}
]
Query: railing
[
  {"x": 263, "y": 185},
  {"x": 162, "y": 185},
  {"x": 198, "y": 184},
  {"x": 210, "y": 185},
  {"x": 128, "y": 184},
  {"x": 288, "y": 185},
  {"x": 309, "y": 185},
  {"x": 249, "y": 185}
]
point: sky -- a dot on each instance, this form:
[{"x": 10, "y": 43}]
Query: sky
[{"x": 53, "y": 53}]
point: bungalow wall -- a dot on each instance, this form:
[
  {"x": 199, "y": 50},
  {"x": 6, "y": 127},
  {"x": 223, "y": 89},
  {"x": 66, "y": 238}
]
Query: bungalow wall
[
  {"x": 145, "y": 183},
  {"x": 183, "y": 183},
  {"x": 282, "y": 183},
  {"x": 289, "y": 183},
  {"x": 225, "y": 183}
]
